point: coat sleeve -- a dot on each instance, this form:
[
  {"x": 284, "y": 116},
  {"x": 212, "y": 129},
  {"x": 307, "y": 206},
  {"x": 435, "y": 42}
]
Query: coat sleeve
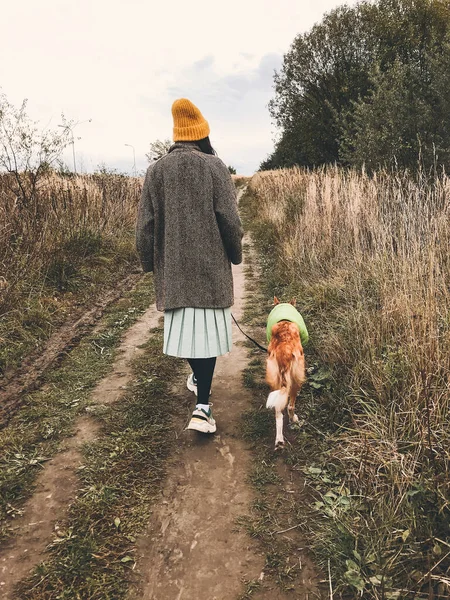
[
  {"x": 225, "y": 208},
  {"x": 145, "y": 227}
]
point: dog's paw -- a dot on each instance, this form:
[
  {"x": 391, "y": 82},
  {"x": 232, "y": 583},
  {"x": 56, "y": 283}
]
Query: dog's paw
[
  {"x": 279, "y": 445},
  {"x": 296, "y": 424},
  {"x": 295, "y": 419}
]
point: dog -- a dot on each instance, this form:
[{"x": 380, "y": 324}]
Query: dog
[{"x": 285, "y": 368}]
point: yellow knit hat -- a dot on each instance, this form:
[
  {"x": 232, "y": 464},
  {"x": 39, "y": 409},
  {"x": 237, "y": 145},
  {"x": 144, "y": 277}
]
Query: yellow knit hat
[{"x": 188, "y": 122}]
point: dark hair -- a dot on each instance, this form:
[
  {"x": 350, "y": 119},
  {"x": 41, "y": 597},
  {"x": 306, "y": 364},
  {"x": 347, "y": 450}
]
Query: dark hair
[{"x": 205, "y": 146}]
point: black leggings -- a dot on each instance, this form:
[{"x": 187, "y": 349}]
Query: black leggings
[{"x": 203, "y": 369}]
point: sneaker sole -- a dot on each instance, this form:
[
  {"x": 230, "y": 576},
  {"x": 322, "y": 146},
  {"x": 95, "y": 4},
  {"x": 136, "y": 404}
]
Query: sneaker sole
[
  {"x": 193, "y": 388},
  {"x": 201, "y": 426}
]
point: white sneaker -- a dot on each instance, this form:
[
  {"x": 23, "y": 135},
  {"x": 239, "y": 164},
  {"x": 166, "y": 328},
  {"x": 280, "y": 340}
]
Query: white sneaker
[
  {"x": 191, "y": 384},
  {"x": 202, "y": 421}
]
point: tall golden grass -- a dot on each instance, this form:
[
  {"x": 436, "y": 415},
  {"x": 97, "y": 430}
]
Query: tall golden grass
[
  {"x": 369, "y": 260},
  {"x": 50, "y": 238},
  {"x": 240, "y": 180}
]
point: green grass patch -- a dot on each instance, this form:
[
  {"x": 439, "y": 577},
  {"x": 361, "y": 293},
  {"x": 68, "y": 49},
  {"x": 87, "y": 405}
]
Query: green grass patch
[
  {"x": 281, "y": 507},
  {"x": 251, "y": 588}
]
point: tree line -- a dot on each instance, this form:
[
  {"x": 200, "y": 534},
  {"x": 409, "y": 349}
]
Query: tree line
[{"x": 367, "y": 86}]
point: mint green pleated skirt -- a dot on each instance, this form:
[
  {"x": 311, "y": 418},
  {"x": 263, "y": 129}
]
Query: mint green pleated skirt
[{"x": 197, "y": 332}]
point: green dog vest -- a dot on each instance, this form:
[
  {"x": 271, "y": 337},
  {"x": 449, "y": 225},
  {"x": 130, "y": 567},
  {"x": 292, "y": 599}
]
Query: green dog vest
[{"x": 286, "y": 312}]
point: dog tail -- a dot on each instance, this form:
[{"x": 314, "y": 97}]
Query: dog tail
[{"x": 278, "y": 399}]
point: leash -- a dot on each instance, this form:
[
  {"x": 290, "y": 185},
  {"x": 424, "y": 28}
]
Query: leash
[{"x": 247, "y": 336}]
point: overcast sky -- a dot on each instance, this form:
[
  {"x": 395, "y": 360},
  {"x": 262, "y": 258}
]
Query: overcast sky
[{"x": 123, "y": 63}]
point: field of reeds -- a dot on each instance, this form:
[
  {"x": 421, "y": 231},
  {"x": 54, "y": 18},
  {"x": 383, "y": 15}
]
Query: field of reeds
[
  {"x": 62, "y": 239},
  {"x": 368, "y": 258}
]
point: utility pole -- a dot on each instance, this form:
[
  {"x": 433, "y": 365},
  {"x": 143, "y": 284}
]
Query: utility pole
[{"x": 71, "y": 128}]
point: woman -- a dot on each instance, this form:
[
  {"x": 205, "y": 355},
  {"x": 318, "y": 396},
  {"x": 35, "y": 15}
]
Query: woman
[{"x": 189, "y": 232}]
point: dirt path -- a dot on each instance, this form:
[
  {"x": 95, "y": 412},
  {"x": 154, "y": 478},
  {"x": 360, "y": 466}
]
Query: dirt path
[
  {"x": 192, "y": 549},
  {"x": 57, "y": 484}
]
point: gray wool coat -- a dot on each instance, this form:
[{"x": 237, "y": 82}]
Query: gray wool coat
[{"x": 188, "y": 229}]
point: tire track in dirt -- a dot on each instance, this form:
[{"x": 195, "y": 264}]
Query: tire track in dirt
[
  {"x": 56, "y": 486},
  {"x": 28, "y": 377}
]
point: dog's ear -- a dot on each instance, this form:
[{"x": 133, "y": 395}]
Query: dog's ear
[
  {"x": 293, "y": 301},
  {"x": 275, "y": 301}
]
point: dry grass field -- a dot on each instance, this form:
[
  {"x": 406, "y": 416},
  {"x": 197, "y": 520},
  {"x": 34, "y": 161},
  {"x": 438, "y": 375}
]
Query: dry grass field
[
  {"x": 58, "y": 243},
  {"x": 368, "y": 259}
]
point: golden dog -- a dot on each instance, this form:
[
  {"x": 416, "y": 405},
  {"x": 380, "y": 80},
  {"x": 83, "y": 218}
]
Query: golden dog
[{"x": 285, "y": 370}]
